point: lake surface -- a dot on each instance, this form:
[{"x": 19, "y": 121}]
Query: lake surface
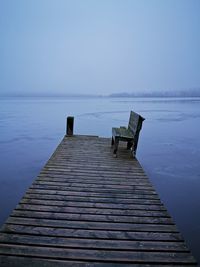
[{"x": 168, "y": 149}]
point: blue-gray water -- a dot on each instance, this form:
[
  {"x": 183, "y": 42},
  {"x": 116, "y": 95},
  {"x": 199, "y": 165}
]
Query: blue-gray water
[{"x": 169, "y": 146}]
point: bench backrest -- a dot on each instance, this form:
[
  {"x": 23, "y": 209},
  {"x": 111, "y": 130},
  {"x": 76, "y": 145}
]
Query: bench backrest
[
  {"x": 135, "y": 122},
  {"x": 135, "y": 125}
]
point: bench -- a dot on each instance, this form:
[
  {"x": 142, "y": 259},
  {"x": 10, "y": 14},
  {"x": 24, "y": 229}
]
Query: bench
[{"x": 129, "y": 135}]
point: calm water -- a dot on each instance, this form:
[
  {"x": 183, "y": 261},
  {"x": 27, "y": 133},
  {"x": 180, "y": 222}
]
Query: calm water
[{"x": 169, "y": 146}]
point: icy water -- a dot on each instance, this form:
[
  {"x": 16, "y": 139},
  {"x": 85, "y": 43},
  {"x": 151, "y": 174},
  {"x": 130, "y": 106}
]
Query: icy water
[{"x": 168, "y": 149}]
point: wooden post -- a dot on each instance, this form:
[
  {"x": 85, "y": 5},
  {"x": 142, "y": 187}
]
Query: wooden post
[{"x": 70, "y": 126}]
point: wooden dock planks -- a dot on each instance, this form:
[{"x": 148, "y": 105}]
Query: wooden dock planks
[{"x": 87, "y": 208}]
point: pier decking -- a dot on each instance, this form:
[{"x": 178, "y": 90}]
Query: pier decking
[{"x": 87, "y": 208}]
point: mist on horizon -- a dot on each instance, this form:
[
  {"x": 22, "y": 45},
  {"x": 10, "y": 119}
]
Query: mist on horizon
[{"x": 98, "y": 47}]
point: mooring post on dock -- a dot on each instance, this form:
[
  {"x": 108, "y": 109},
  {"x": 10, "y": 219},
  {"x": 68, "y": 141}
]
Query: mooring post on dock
[{"x": 70, "y": 126}]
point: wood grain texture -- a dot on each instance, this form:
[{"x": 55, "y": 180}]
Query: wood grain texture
[{"x": 87, "y": 208}]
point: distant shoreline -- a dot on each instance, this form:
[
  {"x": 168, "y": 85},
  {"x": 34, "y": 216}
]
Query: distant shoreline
[
  {"x": 179, "y": 93},
  {"x": 100, "y": 97},
  {"x": 182, "y": 94}
]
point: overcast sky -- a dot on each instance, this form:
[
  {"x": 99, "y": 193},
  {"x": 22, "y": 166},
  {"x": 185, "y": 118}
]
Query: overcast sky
[{"x": 98, "y": 46}]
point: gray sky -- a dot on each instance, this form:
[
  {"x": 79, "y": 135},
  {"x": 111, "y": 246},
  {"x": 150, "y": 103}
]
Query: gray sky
[{"x": 98, "y": 46}]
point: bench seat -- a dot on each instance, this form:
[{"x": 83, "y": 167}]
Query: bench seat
[{"x": 122, "y": 132}]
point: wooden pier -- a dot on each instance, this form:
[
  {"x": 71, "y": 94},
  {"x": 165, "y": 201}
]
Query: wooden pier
[{"x": 87, "y": 208}]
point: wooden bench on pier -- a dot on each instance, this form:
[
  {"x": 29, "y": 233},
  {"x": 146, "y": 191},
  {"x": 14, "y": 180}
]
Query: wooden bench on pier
[{"x": 129, "y": 134}]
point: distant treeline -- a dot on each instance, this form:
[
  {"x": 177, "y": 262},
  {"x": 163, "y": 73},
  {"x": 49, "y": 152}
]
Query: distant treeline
[{"x": 182, "y": 93}]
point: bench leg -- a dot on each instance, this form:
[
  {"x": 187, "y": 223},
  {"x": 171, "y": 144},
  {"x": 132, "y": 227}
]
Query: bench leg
[
  {"x": 129, "y": 145},
  {"x": 112, "y": 142},
  {"x": 133, "y": 150},
  {"x": 116, "y": 142}
]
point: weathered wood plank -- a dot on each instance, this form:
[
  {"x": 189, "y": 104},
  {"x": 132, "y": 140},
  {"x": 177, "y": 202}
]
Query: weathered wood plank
[
  {"x": 93, "y": 225},
  {"x": 88, "y": 233},
  {"x": 19, "y": 261},
  {"x": 127, "y": 188},
  {"x": 81, "y": 171},
  {"x": 117, "y": 195},
  {"x": 100, "y": 178},
  {"x": 91, "y": 217},
  {"x": 101, "y": 202},
  {"x": 92, "y": 169},
  {"x": 92, "y": 205},
  {"x": 92, "y": 199},
  {"x": 90, "y": 183},
  {"x": 86, "y": 210},
  {"x": 98, "y": 190},
  {"x": 98, "y": 175},
  {"x": 93, "y": 243},
  {"x": 103, "y": 181},
  {"x": 80, "y": 161},
  {"x": 107, "y": 165},
  {"x": 98, "y": 255}
]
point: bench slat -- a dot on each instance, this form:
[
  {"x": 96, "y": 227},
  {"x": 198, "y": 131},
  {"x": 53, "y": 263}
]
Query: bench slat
[
  {"x": 123, "y": 132},
  {"x": 133, "y": 122}
]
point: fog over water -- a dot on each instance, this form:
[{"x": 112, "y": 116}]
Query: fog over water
[
  {"x": 168, "y": 149},
  {"x": 98, "y": 47}
]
